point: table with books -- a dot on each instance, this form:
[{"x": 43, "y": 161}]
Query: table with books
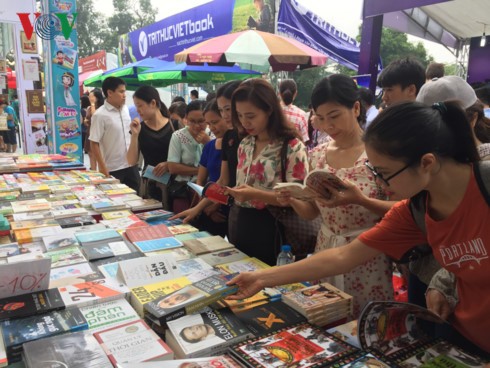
[
  {"x": 14, "y": 163},
  {"x": 137, "y": 289}
]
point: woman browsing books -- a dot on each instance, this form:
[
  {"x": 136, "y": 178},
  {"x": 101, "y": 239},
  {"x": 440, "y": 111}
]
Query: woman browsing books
[
  {"x": 252, "y": 228},
  {"x": 151, "y": 136},
  {"x": 96, "y": 99},
  {"x": 358, "y": 207},
  {"x": 438, "y": 160}
]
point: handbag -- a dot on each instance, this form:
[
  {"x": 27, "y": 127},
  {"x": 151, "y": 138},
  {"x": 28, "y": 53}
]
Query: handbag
[
  {"x": 298, "y": 232},
  {"x": 177, "y": 189}
]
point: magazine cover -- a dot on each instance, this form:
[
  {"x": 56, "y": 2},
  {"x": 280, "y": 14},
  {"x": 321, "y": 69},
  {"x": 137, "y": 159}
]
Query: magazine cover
[{"x": 301, "y": 346}]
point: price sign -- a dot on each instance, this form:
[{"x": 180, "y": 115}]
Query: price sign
[{"x": 24, "y": 277}]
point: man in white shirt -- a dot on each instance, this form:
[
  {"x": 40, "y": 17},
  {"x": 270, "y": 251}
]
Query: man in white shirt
[
  {"x": 367, "y": 98},
  {"x": 109, "y": 134}
]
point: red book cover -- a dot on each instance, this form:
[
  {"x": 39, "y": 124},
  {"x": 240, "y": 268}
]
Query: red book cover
[{"x": 148, "y": 233}]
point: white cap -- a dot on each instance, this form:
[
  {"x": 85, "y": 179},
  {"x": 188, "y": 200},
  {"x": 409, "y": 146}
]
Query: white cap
[{"x": 446, "y": 88}]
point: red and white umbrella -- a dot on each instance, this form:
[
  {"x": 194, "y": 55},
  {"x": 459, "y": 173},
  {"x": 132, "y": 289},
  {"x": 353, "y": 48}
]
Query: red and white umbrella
[{"x": 253, "y": 50}]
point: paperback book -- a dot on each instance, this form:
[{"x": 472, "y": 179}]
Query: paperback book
[
  {"x": 147, "y": 270},
  {"x": 223, "y": 256},
  {"x": 76, "y": 221},
  {"x": 92, "y": 292},
  {"x": 30, "y": 235},
  {"x": 156, "y": 214},
  {"x": 148, "y": 233},
  {"x": 109, "y": 314},
  {"x": 147, "y": 246},
  {"x": 223, "y": 361},
  {"x": 74, "y": 350},
  {"x": 65, "y": 256},
  {"x": 133, "y": 342},
  {"x": 19, "y": 331},
  {"x": 60, "y": 240},
  {"x": 147, "y": 293},
  {"x": 206, "y": 333},
  {"x": 189, "y": 299},
  {"x": 207, "y": 245},
  {"x": 318, "y": 185},
  {"x": 26, "y": 305}
]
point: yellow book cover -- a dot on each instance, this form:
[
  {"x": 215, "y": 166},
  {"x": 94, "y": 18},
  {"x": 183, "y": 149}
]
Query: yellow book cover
[
  {"x": 147, "y": 293},
  {"x": 116, "y": 214},
  {"x": 182, "y": 229},
  {"x": 243, "y": 265}
]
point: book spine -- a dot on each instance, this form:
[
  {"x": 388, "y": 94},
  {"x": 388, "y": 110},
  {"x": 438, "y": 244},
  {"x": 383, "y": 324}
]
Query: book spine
[{"x": 200, "y": 304}]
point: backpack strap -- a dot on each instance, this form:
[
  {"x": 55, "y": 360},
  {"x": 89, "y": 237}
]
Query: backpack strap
[
  {"x": 482, "y": 175},
  {"x": 418, "y": 209},
  {"x": 284, "y": 157}
]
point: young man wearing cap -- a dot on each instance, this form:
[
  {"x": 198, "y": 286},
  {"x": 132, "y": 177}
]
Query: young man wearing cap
[{"x": 401, "y": 80}]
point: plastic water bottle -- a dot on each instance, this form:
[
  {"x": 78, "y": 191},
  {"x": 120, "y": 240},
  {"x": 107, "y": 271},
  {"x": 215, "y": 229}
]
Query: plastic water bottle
[{"x": 285, "y": 256}]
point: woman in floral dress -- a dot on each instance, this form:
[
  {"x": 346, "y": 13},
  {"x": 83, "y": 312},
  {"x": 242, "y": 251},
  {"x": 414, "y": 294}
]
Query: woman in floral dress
[
  {"x": 338, "y": 112},
  {"x": 252, "y": 228}
]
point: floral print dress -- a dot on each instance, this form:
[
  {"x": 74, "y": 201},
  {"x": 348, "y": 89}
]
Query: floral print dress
[
  {"x": 264, "y": 171},
  {"x": 373, "y": 279}
]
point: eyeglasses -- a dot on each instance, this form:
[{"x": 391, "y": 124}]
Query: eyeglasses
[{"x": 377, "y": 175}]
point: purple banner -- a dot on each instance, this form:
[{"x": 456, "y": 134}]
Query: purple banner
[
  {"x": 296, "y": 21},
  {"x": 171, "y": 35}
]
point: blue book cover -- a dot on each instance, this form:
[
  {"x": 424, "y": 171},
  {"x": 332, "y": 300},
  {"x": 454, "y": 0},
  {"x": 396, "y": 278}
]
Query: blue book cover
[
  {"x": 19, "y": 331},
  {"x": 164, "y": 221},
  {"x": 161, "y": 179},
  {"x": 158, "y": 244},
  {"x": 95, "y": 236}
]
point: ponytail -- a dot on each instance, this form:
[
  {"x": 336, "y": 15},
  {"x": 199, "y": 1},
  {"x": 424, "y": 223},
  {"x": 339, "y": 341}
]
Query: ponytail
[
  {"x": 409, "y": 130},
  {"x": 287, "y": 90},
  {"x": 482, "y": 125}
]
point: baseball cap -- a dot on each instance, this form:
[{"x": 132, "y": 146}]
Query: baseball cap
[{"x": 446, "y": 88}]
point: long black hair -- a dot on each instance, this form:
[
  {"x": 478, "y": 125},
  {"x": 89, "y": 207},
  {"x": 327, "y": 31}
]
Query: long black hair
[
  {"x": 409, "y": 130},
  {"x": 99, "y": 97},
  {"x": 148, "y": 94},
  {"x": 341, "y": 89},
  {"x": 287, "y": 90}
]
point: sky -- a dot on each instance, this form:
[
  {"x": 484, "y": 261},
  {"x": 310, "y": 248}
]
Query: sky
[{"x": 344, "y": 15}]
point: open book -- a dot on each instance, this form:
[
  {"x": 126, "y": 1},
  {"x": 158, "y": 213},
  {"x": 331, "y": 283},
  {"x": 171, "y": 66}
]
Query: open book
[
  {"x": 400, "y": 333},
  {"x": 318, "y": 184}
]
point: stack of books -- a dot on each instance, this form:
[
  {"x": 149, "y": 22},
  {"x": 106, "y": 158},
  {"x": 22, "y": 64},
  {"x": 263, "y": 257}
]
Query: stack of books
[{"x": 321, "y": 304}]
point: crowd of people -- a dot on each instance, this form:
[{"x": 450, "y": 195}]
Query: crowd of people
[{"x": 428, "y": 138}]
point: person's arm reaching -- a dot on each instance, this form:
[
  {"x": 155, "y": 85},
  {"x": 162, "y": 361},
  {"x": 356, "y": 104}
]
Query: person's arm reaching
[
  {"x": 133, "y": 150},
  {"x": 328, "y": 262}
]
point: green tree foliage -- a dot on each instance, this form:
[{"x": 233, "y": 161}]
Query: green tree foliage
[
  {"x": 306, "y": 80},
  {"x": 91, "y": 27},
  {"x": 395, "y": 45}
]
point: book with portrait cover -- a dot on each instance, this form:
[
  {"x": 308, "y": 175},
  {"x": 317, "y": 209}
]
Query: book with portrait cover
[
  {"x": 189, "y": 299},
  {"x": 19, "y": 331},
  {"x": 74, "y": 350},
  {"x": 30, "y": 304},
  {"x": 303, "y": 345},
  {"x": 206, "y": 333},
  {"x": 97, "y": 251},
  {"x": 146, "y": 293},
  {"x": 133, "y": 342},
  {"x": 222, "y": 361}
]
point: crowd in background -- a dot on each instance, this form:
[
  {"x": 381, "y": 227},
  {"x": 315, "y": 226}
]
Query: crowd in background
[{"x": 248, "y": 138}]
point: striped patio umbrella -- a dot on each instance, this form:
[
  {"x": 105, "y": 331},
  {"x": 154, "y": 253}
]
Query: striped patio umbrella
[{"x": 253, "y": 50}]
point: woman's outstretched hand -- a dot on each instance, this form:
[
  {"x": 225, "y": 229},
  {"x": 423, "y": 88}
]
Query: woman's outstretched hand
[{"x": 248, "y": 283}]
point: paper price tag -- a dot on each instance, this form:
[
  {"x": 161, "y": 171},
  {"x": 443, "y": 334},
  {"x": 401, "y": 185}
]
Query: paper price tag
[{"x": 24, "y": 277}]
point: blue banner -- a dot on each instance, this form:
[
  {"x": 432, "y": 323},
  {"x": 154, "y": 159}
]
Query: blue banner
[
  {"x": 296, "y": 21},
  {"x": 61, "y": 69},
  {"x": 171, "y": 35}
]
